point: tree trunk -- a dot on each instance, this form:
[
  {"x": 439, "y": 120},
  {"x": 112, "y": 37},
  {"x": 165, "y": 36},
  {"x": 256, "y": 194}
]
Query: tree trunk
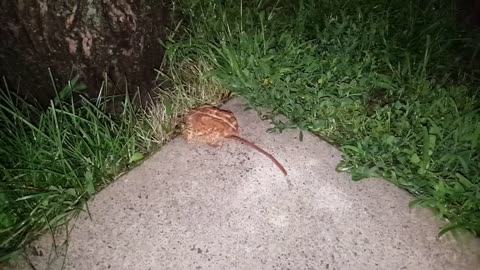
[
  {"x": 470, "y": 12},
  {"x": 90, "y": 38}
]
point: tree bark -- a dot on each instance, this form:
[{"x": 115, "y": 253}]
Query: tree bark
[
  {"x": 90, "y": 38},
  {"x": 470, "y": 12}
]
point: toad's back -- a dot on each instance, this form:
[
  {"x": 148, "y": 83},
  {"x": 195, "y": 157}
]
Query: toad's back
[
  {"x": 210, "y": 124},
  {"x": 213, "y": 125}
]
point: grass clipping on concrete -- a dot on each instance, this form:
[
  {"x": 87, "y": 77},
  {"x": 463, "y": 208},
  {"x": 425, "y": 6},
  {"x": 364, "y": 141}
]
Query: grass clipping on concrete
[
  {"x": 53, "y": 160},
  {"x": 393, "y": 84}
]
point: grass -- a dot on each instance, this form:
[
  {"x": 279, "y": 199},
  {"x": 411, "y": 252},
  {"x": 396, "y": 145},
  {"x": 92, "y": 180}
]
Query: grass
[
  {"x": 54, "y": 160},
  {"x": 393, "y": 84}
]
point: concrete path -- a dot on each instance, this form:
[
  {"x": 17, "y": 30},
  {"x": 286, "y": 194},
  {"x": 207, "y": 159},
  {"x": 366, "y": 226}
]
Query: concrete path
[{"x": 196, "y": 207}]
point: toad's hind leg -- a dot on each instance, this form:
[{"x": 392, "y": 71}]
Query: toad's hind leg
[
  {"x": 216, "y": 145},
  {"x": 215, "y": 141}
]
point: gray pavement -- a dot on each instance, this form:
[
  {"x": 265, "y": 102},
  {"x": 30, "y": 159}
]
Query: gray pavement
[{"x": 197, "y": 207}]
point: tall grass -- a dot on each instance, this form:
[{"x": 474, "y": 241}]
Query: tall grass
[
  {"x": 52, "y": 161},
  {"x": 391, "y": 83}
]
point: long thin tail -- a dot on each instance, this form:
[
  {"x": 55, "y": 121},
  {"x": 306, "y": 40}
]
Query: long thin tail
[{"x": 245, "y": 141}]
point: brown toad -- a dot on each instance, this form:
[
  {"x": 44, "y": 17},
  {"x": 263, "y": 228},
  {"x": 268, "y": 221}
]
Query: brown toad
[{"x": 212, "y": 125}]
